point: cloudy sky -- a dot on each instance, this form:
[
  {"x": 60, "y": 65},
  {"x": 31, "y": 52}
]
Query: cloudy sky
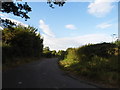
[{"x": 74, "y": 24}]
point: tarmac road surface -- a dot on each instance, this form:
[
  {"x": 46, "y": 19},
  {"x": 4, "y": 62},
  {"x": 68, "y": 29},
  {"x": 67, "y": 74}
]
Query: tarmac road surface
[{"x": 40, "y": 74}]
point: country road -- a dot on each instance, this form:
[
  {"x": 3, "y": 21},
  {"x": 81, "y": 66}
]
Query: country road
[{"x": 40, "y": 74}]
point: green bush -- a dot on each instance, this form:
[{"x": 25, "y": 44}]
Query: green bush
[
  {"x": 61, "y": 54},
  {"x": 98, "y": 62},
  {"x": 21, "y": 41}
]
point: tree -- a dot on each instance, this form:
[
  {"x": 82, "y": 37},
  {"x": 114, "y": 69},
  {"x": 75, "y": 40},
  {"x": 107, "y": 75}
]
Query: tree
[
  {"x": 46, "y": 49},
  {"x": 61, "y": 54},
  {"x": 23, "y": 41},
  {"x": 54, "y": 53},
  {"x": 46, "y": 52},
  {"x": 21, "y": 10},
  {"x": 17, "y": 9}
]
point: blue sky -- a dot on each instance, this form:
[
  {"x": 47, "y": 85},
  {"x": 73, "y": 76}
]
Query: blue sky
[{"x": 74, "y": 24}]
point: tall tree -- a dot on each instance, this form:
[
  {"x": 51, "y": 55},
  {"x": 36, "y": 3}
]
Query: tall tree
[
  {"x": 24, "y": 41},
  {"x": 21, "y": 10}
]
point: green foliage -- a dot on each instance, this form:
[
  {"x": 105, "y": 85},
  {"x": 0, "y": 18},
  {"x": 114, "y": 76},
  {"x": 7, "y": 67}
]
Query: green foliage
[
  {"x": 61, "y": 54},
  {"x": 68, "y": 62},
  {"x": 54, "y": 53},
  {"x": 98, "y": 62},
  {"x": 49, "y": 54},
  {"x": 46, "y": 52},
  {"x": 21, "y": 42},
  {"x": 16, "y": 9},
  {"x": 20, "y": 10},
  {"x": 117, "y": 42},
  {"x": 72, "y": 54},
  {"x": 102, "y": 50}
]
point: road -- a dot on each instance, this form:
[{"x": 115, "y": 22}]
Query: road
[{"x": 40, "y": 74}]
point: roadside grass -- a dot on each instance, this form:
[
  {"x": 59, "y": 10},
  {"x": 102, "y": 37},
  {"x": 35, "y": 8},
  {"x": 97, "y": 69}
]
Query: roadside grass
[
  {"x": 105, "y": 78},
  {"x": 95, "y": 63}
]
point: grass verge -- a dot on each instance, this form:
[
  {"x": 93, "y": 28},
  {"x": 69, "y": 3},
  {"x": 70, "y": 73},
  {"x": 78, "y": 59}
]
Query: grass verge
[{"x": 106, "y": 79}]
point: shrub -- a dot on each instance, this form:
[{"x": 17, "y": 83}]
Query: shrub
[
  {"x": 21, "y": 41},
  {"x": 98, "y": 62}
]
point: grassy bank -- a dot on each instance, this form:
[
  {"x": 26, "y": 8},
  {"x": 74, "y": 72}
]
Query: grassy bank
[{"x": 96, "y": 63}]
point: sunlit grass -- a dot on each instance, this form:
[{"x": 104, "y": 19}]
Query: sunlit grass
[{"x": 96, "y": 67}]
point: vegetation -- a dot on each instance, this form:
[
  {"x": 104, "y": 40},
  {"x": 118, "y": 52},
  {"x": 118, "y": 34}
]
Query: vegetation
[
  {"x": 17, "y": 9},
  {"x": 96, "y": 62},
  {"x": 48, "y": 54},
  {"x": 21, "y": 10},
  {"x": 19, "y": 42},
  {"x": 61, "y": 54}
]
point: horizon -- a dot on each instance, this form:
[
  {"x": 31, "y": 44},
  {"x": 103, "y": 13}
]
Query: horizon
[{"x": 74, "y": 24}]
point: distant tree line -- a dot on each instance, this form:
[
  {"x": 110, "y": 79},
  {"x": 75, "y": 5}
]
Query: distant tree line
[{"x": 53, "y": 53}]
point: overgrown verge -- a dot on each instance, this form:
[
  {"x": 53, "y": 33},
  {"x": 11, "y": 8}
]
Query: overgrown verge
[{"x": 95, "y": 62}]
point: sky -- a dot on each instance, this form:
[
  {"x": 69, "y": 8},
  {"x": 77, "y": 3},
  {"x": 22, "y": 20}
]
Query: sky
[{"x": 73, "y": 25}]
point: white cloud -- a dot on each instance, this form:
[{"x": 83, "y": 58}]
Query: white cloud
[
  {"x": 66, "y": 42},
  {"x": 1, "y": 15},
  {"x": 103, "y": 25},
  {"x": 63, "y": 43},
  {"x": 100, "y": 8},
  {"x": 4, "y": 15},
  {"x": 70, "y": 26},
  {"x": 45, "y": 28}
]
